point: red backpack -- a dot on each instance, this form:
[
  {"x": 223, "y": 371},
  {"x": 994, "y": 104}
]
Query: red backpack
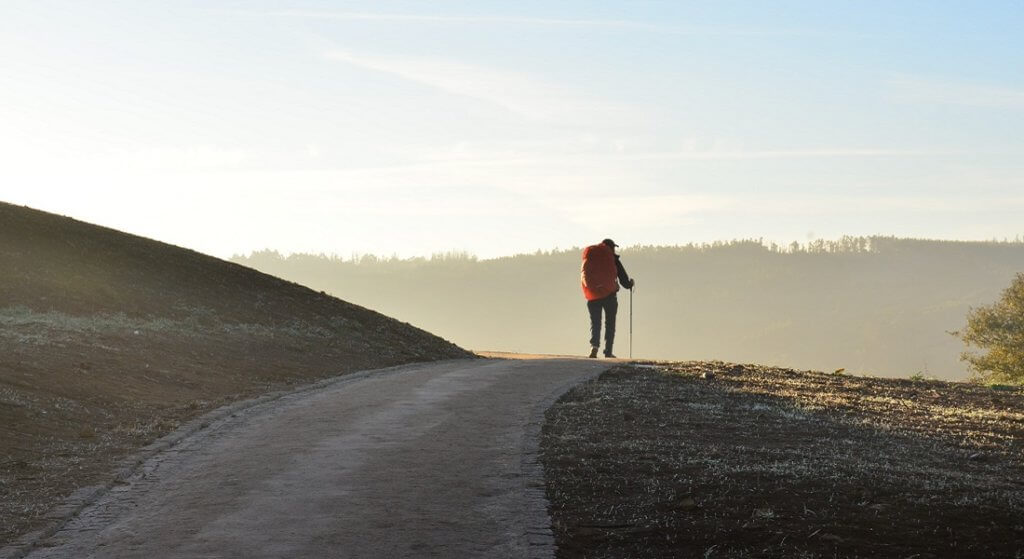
[{"x": 599, "y": 274}]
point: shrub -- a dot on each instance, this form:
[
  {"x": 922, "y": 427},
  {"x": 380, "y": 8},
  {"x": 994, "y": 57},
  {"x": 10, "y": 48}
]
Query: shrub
[{"x": 998, "y": 329}]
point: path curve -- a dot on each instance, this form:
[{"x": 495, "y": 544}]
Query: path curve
[{"x": 431, "y": 460}]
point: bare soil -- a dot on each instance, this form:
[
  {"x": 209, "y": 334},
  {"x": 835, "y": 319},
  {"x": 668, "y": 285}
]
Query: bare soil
[
  {"x": 659, "y": 461},
  {"x": 109, "y": 341}
]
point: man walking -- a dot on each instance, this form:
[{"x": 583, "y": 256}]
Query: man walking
[{"x": 600, "y": 276}]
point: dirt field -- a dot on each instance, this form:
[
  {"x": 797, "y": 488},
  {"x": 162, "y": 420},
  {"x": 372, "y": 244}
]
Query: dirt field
[{"x": 766, "y": 462}]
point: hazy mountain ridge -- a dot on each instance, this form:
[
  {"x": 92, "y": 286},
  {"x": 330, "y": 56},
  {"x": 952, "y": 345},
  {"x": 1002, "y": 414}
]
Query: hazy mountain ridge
[{"x": 877, "y": 305}]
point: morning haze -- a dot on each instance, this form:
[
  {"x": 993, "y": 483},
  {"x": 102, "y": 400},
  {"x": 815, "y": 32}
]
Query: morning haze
[
  {"x": 158, "y": 400},
  {"x": 877, "y": 305},
  {"x": 496, "y": 128}
]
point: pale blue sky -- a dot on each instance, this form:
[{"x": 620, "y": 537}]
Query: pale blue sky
[{"x": 502, "y": 127}]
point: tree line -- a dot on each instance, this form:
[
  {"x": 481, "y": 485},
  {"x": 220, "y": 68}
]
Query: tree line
[{"x": 872, "y": 305}]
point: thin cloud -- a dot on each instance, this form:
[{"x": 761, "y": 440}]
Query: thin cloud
[
  {"x": 519, "y": 93},
  {"x": 828, "y": 153},
  {"x": 919, "y": 90},
  {"x": 874, "y": 205},
  {"x": 614, "y": 24},
  {"x": 486, "y": 159},
  {"x": 668, "y": 209},
  {"x": 421, "y": 18},
  {"x": 167, "y": 159},
  {"x": 646, "y": 210}
]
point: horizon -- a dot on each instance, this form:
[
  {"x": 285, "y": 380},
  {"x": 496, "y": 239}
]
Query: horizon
[
  {"x": 780, "y": 248},
  {"x": 886, "y": 309},
  {"x": 396, "y": 128}
]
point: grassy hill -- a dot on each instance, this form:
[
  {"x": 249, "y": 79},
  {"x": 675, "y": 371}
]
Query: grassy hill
[{"x": 108, "y": 341}]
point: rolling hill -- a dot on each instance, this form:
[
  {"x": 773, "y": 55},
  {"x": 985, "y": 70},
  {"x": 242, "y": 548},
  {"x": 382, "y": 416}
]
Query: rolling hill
[{"x": 109, "y": 341}]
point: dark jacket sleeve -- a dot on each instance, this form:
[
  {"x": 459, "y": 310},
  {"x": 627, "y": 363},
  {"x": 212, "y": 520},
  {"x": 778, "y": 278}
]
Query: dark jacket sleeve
[{"x": 623, "y": 277}]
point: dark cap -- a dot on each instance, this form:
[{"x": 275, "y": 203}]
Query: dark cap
[{"x": 610, "y": 243}]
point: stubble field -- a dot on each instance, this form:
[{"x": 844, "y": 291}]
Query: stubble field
[{"x": 719, "y": 460}]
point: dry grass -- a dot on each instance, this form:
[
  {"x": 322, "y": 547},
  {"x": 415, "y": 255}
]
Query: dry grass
[{"x": 767, "y": 462}]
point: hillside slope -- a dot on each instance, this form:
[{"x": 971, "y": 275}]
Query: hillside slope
[{"x": 108, "y": 341}]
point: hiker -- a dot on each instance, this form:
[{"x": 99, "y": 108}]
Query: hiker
[{"x": 600, "y": 275}]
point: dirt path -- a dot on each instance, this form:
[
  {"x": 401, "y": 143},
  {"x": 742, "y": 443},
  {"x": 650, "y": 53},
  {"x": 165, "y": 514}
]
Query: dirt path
[{"x": 432, "y": 460}]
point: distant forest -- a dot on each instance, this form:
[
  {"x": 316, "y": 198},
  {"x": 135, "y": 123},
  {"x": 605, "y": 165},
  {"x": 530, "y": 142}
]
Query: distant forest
[{"x": 870, "y": 305}]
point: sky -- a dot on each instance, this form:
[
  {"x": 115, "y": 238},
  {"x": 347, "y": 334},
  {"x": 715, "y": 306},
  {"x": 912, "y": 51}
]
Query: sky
[{"x": 496, "y": 128}]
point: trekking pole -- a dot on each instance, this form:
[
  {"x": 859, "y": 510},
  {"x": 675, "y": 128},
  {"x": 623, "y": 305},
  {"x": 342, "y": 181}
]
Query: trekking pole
[{"x": 631, "y": 321}]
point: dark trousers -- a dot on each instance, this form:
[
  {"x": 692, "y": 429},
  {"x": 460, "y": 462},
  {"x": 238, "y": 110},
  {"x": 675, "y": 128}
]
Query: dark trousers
[{"x": 610, "y": 306}]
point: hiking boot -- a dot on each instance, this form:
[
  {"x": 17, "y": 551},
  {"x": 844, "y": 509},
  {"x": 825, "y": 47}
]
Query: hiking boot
[
  {"x": 610, "y": 356},
  {"x": 593, "y": 353}
]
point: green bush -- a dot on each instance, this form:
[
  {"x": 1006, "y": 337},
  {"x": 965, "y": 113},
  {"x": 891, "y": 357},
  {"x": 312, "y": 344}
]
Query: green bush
[{"x": 998, "y": 329}]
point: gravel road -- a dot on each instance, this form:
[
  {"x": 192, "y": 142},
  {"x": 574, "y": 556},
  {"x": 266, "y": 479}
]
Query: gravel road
[{"x": 434, "y": 460}]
